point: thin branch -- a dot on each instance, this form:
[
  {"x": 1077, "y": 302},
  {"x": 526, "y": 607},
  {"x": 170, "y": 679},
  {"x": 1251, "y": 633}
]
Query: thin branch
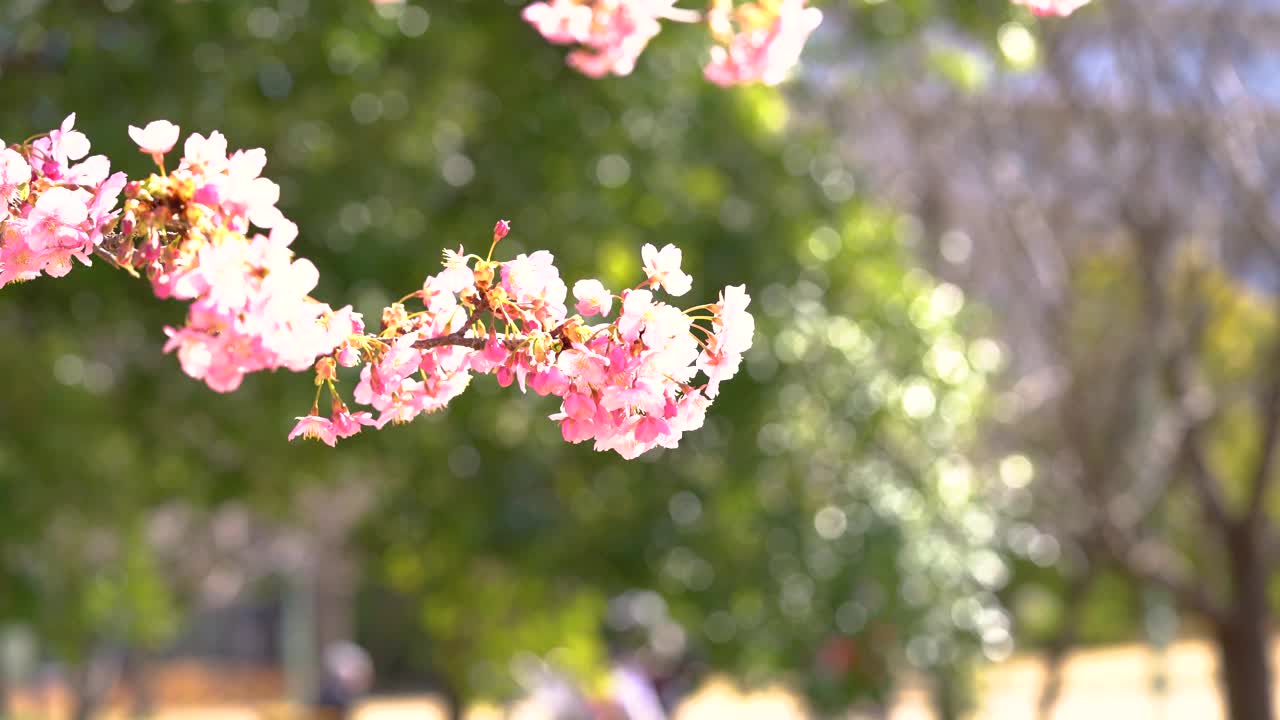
[
  {"x": 460, "y": 339},
  {"x": 1191, "y": 399},
  {"x": 454, "y": 339},
  {"x": 1156, "y": 563},
  {"x": 1264, "y": 474},
  {"x": 1204, "y": 481},
  {"x": 1148, "y": 559},
  {"x": 1270, "y": 541}
]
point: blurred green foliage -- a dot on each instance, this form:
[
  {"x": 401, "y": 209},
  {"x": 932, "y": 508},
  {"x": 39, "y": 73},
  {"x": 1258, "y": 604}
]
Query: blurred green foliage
[{"x": 828, "y": 497}]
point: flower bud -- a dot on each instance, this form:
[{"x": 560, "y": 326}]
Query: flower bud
[
  {"x": 501, "y": 229},
  {"x": 326, "y": 370}
]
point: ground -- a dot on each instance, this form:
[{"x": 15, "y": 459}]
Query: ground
[{"x": 1114, "y": 682}]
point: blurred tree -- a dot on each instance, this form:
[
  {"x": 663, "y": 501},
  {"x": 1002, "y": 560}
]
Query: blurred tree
[
  {"x": 825, "y": 522},
  {"x": 1109, "y": 184}
]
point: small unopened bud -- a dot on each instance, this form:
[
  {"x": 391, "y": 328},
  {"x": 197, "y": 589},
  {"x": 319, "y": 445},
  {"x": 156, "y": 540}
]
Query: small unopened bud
[
  {"x": 501, "y": 229},
  {"x": 326, "y": 369}
]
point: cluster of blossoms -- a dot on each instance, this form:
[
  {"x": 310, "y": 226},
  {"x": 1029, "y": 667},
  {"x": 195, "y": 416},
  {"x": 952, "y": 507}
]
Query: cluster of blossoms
[
  {"x": 626, "y": 383},
  {"x": 611, "y": 33},
  {"x": 56, "y": 204},
  {"x": 209, "y": 232},
  {"x": 758, "y": 42},
  {"x": 190, "y": 232}
]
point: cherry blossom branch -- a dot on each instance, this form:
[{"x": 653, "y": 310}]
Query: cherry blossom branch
[
  {"x": 459, "y": 338},
  {"x": 627, "y": 383},
  {"x": 456, "y": 339}
]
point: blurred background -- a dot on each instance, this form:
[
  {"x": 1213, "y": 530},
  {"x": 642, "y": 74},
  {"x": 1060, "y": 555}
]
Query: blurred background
[{"x": 1004, "y": 446}]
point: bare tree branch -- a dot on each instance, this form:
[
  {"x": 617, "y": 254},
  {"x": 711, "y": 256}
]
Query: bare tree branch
[
  {"x": 1264, "y": 474},
  {"x": 1204, "y": 482},
  {"x": 1156, "y": 563}
]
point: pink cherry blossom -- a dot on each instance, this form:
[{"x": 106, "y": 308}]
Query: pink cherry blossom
[
  {"x": 65, "y": 144},
  {"x": 575, "y": 430},
  {"x": 650, "y": 427},
  {"x": 560, "y": 21},
  {"x": 592, "y": 297},
  {"x": 735, "y": 327},
  {"x": 610, "y": 34},
  {"x": 205, "y": 155},
  {"x": 549, "y": 382},
  {"x": 616, "y": 43},
  {"x": 734, "y": 330},
  {"x": 17, "y": 262},
  {"x": 493, "y": 356},
  {"x": 14, "y": 173},
  {"x": 579, "y": 406},
  {"x": 55, "y": 220},
  {"x": 93, "y": 171},
  {"x": 635, "y": 304},
  {"x": 766, "y": 45},
  {"x": 663, "y": 269},
  {"x": 534, "y": 281},
  {"x": 157, "y": 138},
  {"x": 1060, "y": 8},
  {"x": 315, "y": 427},
  {"x": 346, "y": 424}
]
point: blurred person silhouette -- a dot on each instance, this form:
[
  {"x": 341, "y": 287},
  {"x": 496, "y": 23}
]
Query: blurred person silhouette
[
  {"x": 679, "y": 679},
  {"x": 551, "y": 695},
  {"x": 347, "y": 674},
  {"x": 653, "y": 667},
  {"x": 634, "y": 689},
  {"x": 635, "y": 670}
]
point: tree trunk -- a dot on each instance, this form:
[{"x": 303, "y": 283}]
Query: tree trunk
[
  {"x": 946, "y": 698},
  {"x": 1244, "y": 636},
  {"x": 4, "y": 697},
  {"x": 455, "y": 706},
  {"x": 141, "y": 701},
  {"x": 84, "y": 701}
]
